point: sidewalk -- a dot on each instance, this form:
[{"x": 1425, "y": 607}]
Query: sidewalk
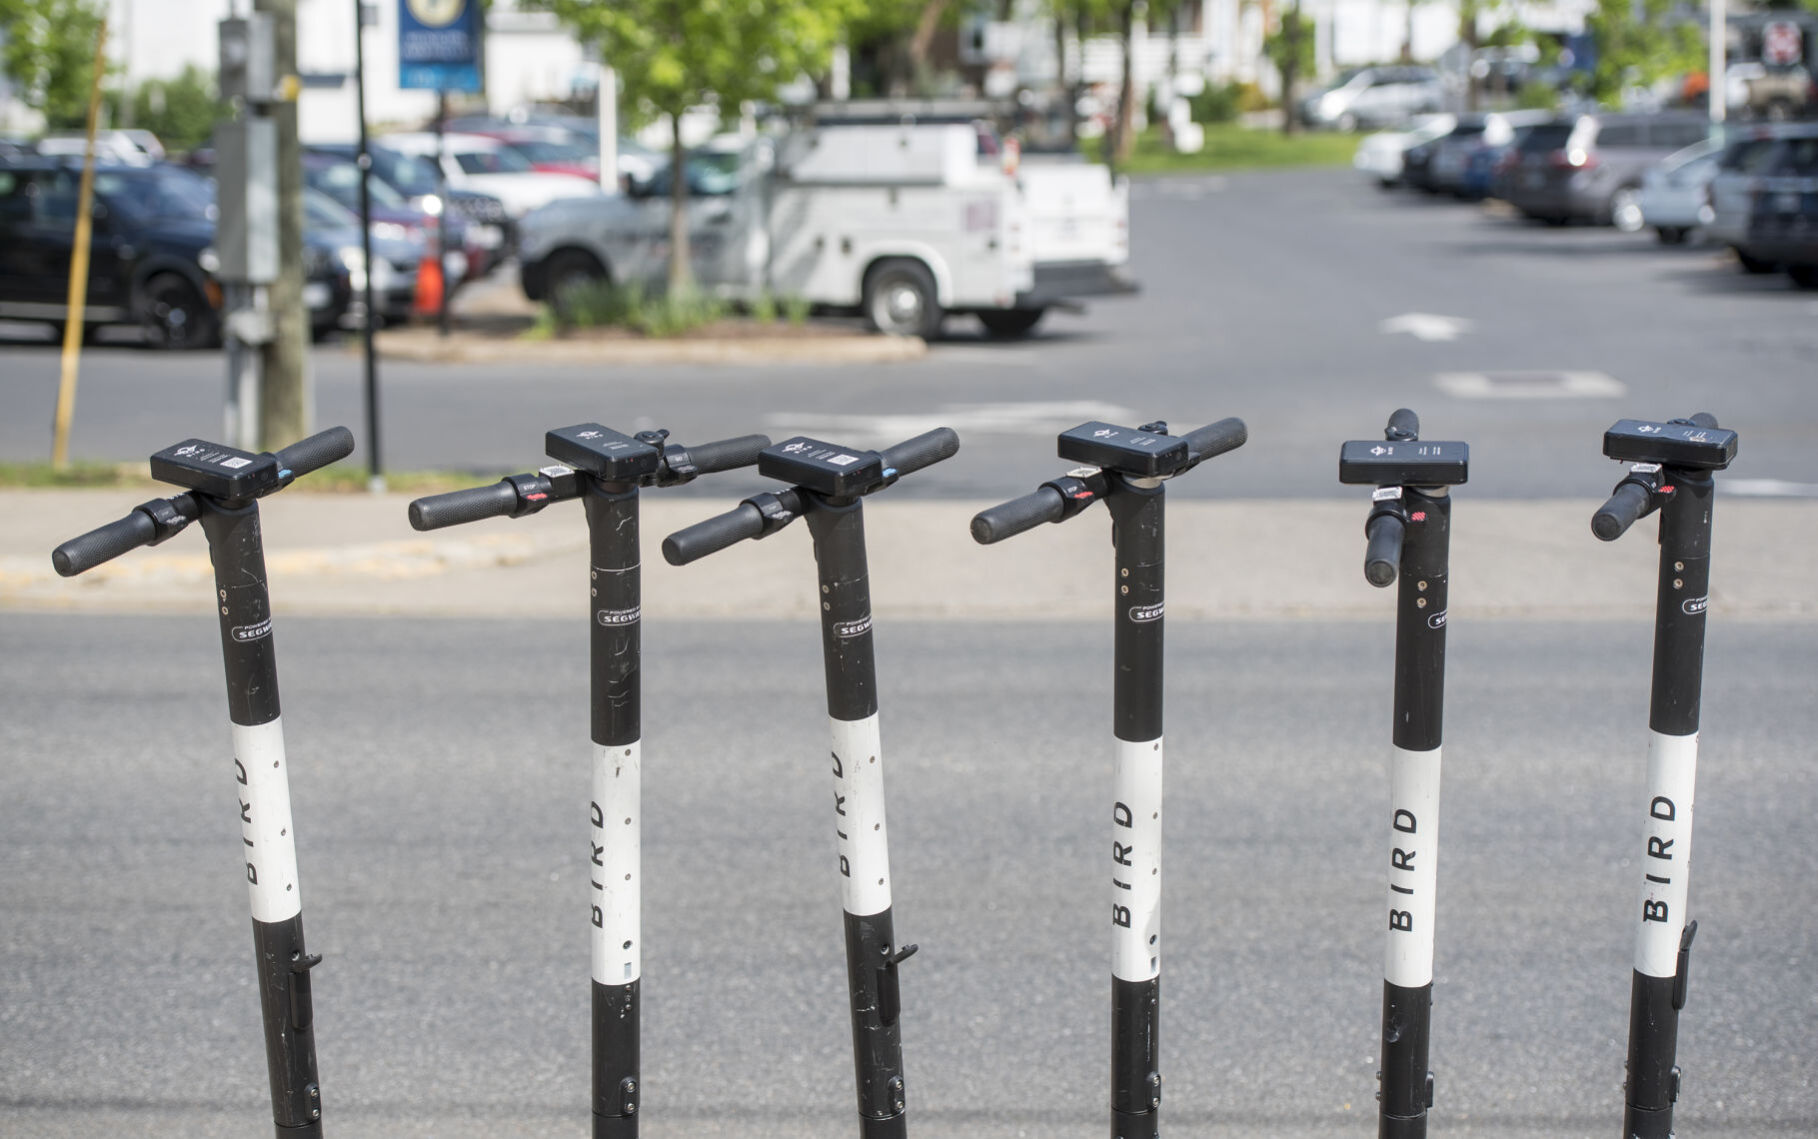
[{"x": 356, "y": 554}]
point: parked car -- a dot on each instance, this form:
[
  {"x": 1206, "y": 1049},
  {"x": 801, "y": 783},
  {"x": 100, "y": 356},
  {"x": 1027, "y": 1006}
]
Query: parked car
[
  {"x": 1757, "y": 91},
  {"x": 551, "y": 150},
  {"x": 1761, "y": 198},
  {"x": 396, "y": 258},
  {"x": 152, "y": 260},
  {"x": 1463, "y": 157},
  {"x": 393, "y": 217},
  {"x": 490, "y": 233},
  {"x": 134, "y": 147},
  {"x": 474, "y": 162},
  {"x": 1673, "y": 198},
  {"x": 1381, "y": 155},
  {"x": 1374, "y": 97},
  {"x": 1589, "y": 166}
]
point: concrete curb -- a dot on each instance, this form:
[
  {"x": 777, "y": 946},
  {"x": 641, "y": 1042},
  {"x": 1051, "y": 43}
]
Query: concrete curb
[
  {"x": 356, "y": 554},
  {"x": 423, "y": 345}
]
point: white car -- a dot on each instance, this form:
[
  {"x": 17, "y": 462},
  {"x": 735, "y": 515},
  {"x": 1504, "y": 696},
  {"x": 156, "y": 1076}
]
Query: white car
[
  {"x": 1380, "y": 155},
  {"x": 1673, "y": 198},
  {"x": 474, "y": 162}
]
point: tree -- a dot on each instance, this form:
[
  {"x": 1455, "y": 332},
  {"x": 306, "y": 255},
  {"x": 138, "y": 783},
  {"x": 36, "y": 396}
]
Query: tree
[
  {"x": 1292, "y": 50},
  {"x": 182, "y": 112},
  {"x": 50, "y": 54},
  {"x": 1640, "y": 41},
  {"x": 676, "y": 54}
]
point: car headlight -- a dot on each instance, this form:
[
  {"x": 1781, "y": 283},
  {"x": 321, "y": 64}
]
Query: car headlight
[
  {"x": 432, "y": 205},
  {"x": 354, "y": 260},
  {"x": 209, "y": 260}
]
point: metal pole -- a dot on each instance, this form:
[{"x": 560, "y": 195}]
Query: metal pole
[
  {"x": 609, "y": 129},
  {"x": 1719, "y": 92},
  {"x": 375, "y": 466},
  {"x": 442, "y": 193},
  {"x": 78, "y": 268}
]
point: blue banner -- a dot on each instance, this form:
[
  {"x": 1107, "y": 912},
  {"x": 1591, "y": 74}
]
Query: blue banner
[{"x": 439, "y": 45}]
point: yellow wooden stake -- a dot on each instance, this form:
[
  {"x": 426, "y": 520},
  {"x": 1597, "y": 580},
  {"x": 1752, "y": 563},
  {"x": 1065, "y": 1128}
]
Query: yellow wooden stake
[{"x": 78, "y": 268}]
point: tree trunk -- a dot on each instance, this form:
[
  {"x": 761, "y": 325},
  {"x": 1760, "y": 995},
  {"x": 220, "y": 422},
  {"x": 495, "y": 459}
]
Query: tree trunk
[
  {"x": 1069, "y": 128},
  {"x": 1290, "y": 70},
  {"x": 921, "y": 44},
  {"x": 1467, "y": 34},
  {"x": 1123, "y": 142},
  {"x": 681, "y": 276},
  {"x": 286, "y": 403},
  {"x": 1407, "y": 39}
]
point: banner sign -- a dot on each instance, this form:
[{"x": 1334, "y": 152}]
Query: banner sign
[{"x": 439, "y": 45}]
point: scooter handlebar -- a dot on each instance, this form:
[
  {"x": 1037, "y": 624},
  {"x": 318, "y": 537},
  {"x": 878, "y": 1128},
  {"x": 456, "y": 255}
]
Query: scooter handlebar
[
  {"x": 458, "y": 506},
  {"x": 692, "y": 543},
  {"x": 1382, "y": 556},
  {"x": 1403, "y": 424},
  {"x": 317, "y": 451},
  {"x": 1217, "y": 438},
  {"x": 1625, "y": 506},
  {"x": 727, "y": 454},
  {"x": 924, "y": 450},
  {"x": 148, "y": 524},
  {"x": 1008, "y": 519}
]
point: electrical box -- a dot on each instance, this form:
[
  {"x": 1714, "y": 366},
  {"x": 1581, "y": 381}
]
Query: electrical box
[
  {"x": 248, "y": 58},
  {"x": 246, "y": 200}
]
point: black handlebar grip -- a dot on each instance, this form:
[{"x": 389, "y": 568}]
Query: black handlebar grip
[
  {"x": 727, "y": 454},
  {"x": 924, "y": 450},
  {"x": 104, "y": 543},
  {"x": 1217, "y": 438},
  {"x": 1403, "y": 424},
  {"x": 691, "y": 543},
  {"x": 1614, "y": 517},
  {"x": 1382, "y": 556},
  {"x": 458, "y": 506},
  {"x": 317, "y": 451},
  {"x": 1704, "y": 419},
  {"x": 1008, "y": 519}
]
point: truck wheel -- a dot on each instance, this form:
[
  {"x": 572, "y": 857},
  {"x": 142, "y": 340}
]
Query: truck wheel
[
  {"x": 1672, "y": 234},
  {"x": 900, "y": 299},
  {"x": 1010, "y": 323},
  {"x": 175, "y": 315},
  {"x": 568, "y": 269},
  {"x": 1805, "y": 276}
]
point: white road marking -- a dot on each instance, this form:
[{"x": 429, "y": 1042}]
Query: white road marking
[
  {"x": 1035, "y": 418},
  {"x": 1767, "y": 488},
  {"x": 1529, "y": 385},
  {"x": 1427, "y": 326}
]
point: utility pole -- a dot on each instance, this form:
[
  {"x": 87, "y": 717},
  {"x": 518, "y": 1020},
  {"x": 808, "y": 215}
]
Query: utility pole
[{"x": 286, "y": 405}]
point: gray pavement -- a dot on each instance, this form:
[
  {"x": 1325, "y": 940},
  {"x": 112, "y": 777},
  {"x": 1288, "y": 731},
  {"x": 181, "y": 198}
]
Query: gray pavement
[
  {"x": 439, "y": 772},
  {"x": 1264, "y": 297}
]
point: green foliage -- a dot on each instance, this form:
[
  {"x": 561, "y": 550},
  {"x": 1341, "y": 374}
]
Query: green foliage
[
  {"x": 50, "y": 54},
  {"x": 1636, "y": 52},
  {"x": 675, "y": 54},
  {"x": 796, "y": 309},
  {"x": 1223, "y": 103},
  {"x": 763, "y": 309},
  {"x": 1232, "y": 147},
  {"x": 182, "y": 112},
  {"x": 1277, "y": 46},
  {"x": 601, "y": 304}
]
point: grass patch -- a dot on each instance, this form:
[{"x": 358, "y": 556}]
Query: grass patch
[
  {"x": 342, "y": 478},
  {"x": 601, "y": 304},
  {"x": 1232, "y": 147}
]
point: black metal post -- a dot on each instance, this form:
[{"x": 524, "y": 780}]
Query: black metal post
[
  {"x": 442, "y": 317},
  {"x": 374, "y": 463},
  {"x": 265, "y": 824}
]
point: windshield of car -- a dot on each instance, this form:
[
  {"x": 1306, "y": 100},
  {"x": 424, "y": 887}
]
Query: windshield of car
[
  {"x": 538, "y": 150},
  {"x": 322, "y": 212},
  {"x": 341, "y": 181},
  {"x": 1747, "y": 156},
  {"x": 166, "y": 193},
  {"x": 1801, "y": 157},
  {"x": 711, "y": 174},
  {"x": 1546, "y": 136},
  {"x": 410, "y": 175},
  {"x": 500, "y": 161}
]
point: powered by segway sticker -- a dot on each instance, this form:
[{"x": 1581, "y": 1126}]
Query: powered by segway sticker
[
  {"x": 1437, "y": 620},
  {"x": 611, "y": 617},
  {"x": 268, "y": 847},
  {"x": 1693, "y": 606},
  {"x": 852, "y": 628},
  {"x": 246, "y": 633},
  {"x": 1144, "y": 613}
]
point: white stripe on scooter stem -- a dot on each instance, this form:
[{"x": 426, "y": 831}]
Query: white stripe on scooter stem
[
  {"x": 858, "y": 803},
  {"x": 615, "y": 876},
  {"x": 269, "y": 847},
  {"x": 1136, "y": 862},
  {"x": 1413, "y": 867},
  {"x": 1666, "y": 853}
]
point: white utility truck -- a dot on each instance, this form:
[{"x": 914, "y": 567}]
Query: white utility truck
[{"x": 904, "y": 223}]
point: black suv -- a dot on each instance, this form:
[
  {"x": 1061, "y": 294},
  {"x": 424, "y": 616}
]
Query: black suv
[{"x": 152, "y": 227}]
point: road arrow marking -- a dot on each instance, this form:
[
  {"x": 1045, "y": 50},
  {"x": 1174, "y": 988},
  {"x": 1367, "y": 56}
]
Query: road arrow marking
[{"x": 1427, "y": 326}]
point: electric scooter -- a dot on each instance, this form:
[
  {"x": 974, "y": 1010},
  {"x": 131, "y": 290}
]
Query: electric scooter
[
  {"x": 1408, "y": 534},
  {"x": 830, "y": 485},
  {"x": 605, "y": 469},
  {"x": 1128, "y": 468},
  {"x": 223, "y": 488},
  {"x": 1672, "y": 465}
]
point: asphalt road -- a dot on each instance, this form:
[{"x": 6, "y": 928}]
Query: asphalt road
[
  {"x": 1265, "y": 297},
  {"x": 439, "y": 780}
]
